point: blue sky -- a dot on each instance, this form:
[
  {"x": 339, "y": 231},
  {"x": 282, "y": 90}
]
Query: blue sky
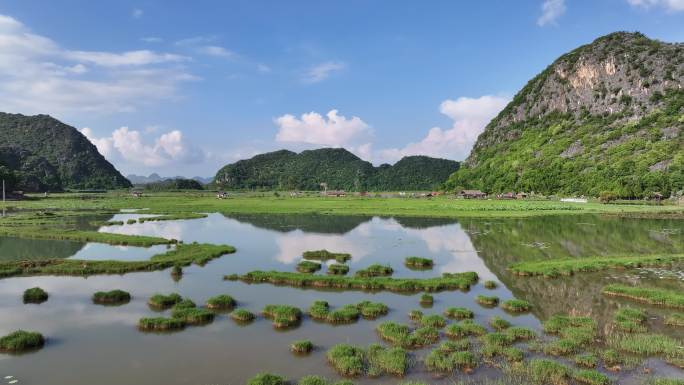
[{"x": 180, "y": 87}]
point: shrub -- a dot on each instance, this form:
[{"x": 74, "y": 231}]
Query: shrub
[
  {"x": 161, "y": 301},
  {"x": 516, "y": 305},
  {"x": 375, "y": 270},
  {"x": 308, "y": 267},
  {"x": 161, "y": 324},
  {"x": 338, "y": 269},
  {"x": 242, "y": 315},
  {"x": 267, "y": 379},
  {"x": 35, "y": 295},
  {"x": 607, "y": 196},
  {"x": 301, "y": 346},
  {"x": 222, "y": 301},
  {"x": 487, "y": 300},
  {"x": 112, "y": 297},
  {"x": 381, "y": 360},
  {"x": 459, "y": 313},
  {"x": 491, "y": 285},
  {"x": 20, "y": 341},
  {"x": 348, "y": 360},
  {"x": 418, "y": 263},
  {"x": 434, "y": 320}
]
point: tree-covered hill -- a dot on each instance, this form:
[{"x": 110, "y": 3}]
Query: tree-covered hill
[
  {"x": 337, "y": 167},
  {"x": 40, "y": 153},
  {"x": 174, "y": 184},
  {"x": 608, "y": 116}
]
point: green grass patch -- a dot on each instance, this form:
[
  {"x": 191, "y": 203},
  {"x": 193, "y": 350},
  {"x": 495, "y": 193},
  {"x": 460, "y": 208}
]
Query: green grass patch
[
  {"x": 267, "y": 379},
  {"x": 374, "y": 270},
  {"x": 665, "y": 381},
  {"x": 439, "y": 360},
  {"x": 491, "y": 285},
  {"x": 464, "y": 329},
  {"x": 112, "y": 297},
  {"x": 401, "y": 335},
  {"x": 630, "y": 320},
  {"x": 20, "y": 341},
  {"x": 344, "y": 314},
  {"x": 35, "y": 295},
  {"x": 499, "y": 323},
  {"x": 182, "y": 254},
  {"x": 575, "y": 333},
  {"x": 221, "y": 302},
  {"x": 567, "y": 266},
  {"x": 372, "y": 310},
  {"x": 325, "y": 255},
  {"x": 427, "y": 299},
  {"x": 459, "y": 313},
  {"x": 586, "y": 360},
  {"x": 487, "y": 300},
  {"x": 455, "y": 346},
  {"x": 590, "y": 377},
  {"x": 338, "y": 269},
  {"x": 456, "y": 281},
  {"x": 433, "y": 320},
  {"x": 545, "y": 371},
  {"x": 160, "y": 324},
  {"x": 319, "y": 310},
  {"x": 347, "y": 360},
  {"x": 283, "y": 316},
  {"x": 415, "y": 315},
  {"x": 301, "y": 346},
  {"x": 381, "y": 360},
  {"x": 661, "y": 297},
  {"x": 164, "y": 301},
  {"x": 242, "y": 316},
  {"x": 647, "y": 344},
  {"x": 516, "y": 305},
  {"x": 675, "y": 319},
  {"x": 418, "y": 263},
  {"x": 308, "y": 267},
  {"x": 193, "y": 315}
]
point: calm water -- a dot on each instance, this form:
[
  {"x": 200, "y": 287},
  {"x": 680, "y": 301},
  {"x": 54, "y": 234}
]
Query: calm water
[{"x": 90, "y": 344}]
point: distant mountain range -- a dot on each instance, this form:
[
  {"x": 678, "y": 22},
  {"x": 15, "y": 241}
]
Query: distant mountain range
[
  {"x": 154, "y": 177},
  {"x": 40, "y": 153},
  {"x": 337, "y": 168},
  {"x": 607, "y": 116}
]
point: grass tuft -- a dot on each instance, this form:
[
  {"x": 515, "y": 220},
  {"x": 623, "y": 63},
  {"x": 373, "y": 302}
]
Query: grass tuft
[
  {"x": 567, "y": 266},
  {"x": 160, "y": 324},
  {"x": 35, "y": 295},
  {"x": 489, "y": 301},
  {"x": 301, "y": 346},
  {"x": 433, "y": 320},
  {"x": 325, "y": 255},
  {"x": 20, "y": 341},
  {"x": 347, "y": 360},
  {"x": 112, "y": 297},
  {"x": 459, "y": 313},
  {"x": 242, "y": 315},
  {"x": 338, "y": 269},
  {"x": 491, "y": 285},
  {"x": 464, "y": 329},
  {"x": 283, "y": 316},
  {"x": 375, "y": 270},
  {"x": 630, "y": 320},
  {"x": 661, "y": 297},
  {"x": 267, "y": 379},
  {"x": 516, "y": 305},
  {"x": 418, "y": 263},
  {"x": 221, "y": 302},
  {"x": 675, "y": 319},
  {"x": 161, "y": 301},
  {"x": 394, "y": 361},
  {"x": 308, "y": 267},
  {"x": 499, "y": 323}
]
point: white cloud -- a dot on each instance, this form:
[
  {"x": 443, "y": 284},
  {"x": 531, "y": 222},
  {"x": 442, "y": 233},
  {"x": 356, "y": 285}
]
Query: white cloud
[
  {"x": 215, "y": 50},
  {"x": 263, "y": 68},
  {"x": 551, "y": 10},
  {"x": 322, "y": 71},
  {"x": 130, "y": 146},
  {"x": 331, "y": 130},
  {"x": 670, "y": 5},
  {"x": 137, "y": 13},
  {"x": 37, "y": 75},
  {"x": 469, "y": 115}
]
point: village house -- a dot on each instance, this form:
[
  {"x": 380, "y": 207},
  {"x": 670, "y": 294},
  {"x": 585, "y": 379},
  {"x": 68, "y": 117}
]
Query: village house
[
  {"x": 472, "y": 194},
  {"x": 335, "y": 193}
]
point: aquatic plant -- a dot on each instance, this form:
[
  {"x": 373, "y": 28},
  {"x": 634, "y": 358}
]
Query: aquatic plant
[
  {"x": 161, "y": 301},
  {"x": 325, "y": 255},
  {"x": 308, "y": 267},
  {"x": 520, "y": 333},
  {"x": 283, "y": 315},
  {"x": 112, "y": 297},
  {"x": 575, "y": 333},
  {"x": 433, "y": 320},
  {"x": 131, "y": 221},
  {"x": 20, "y": 341},
  {"x": 222, "y": 301},
  {"x": 456, "y": 281},
  {"x": 545, "y": 371},
  {"x": 445, "y": 361},
  {"x": 587, "y": 360},
  {"x": 319, "y": 310},
  {"x": 516, "y": 305},
  {"x": 401, "y": 335},
  {"x": 344, "y": 314},
  {"x": 381, "y": 360},
  {"x": 347, "y": 360},
  {"x": 497, "y": 339},
  {"x": 185, "y": 303},
  {"x": 491, "y": 285},
  {"x": 35, "y": 295},
  {"x": 372, "y": 310},
  {"x": 486, "y": 300},
  {"x": 242, "y": 315},
  {"x": 465, "y": 328},
  {"x": 426, "y": 299},
  {"x": 567, "y": 266},
  {"x": 193, "y": 315},
  {"x": 646, "y": 344},
  {"x": 662, "y": 297},
  {"x": 675, "y": 319},
  {"x": 313, "y": 380},
  {"x": 454, "y": 346},
  {"x": 499, "y": 323},
  {"x": 665, "y": 381},
  {"x": 459, "y": 313},
  {"x": 267, "y": 379},
  {"x": 374, "y": 270},
  {"x": 590, "y": 377},
  {"x": 611, "y": 358},
  {"x": 418, "y": 263},
  {"x": 338, "y": 269},
  {"x": 160, "y": 324},
  {"x": 301, "y": 346},
  {"x": 630, "y": 320}
]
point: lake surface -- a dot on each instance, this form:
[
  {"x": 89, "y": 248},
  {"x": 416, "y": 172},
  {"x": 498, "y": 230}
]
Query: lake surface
[{"x": 90, "y": 344}]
